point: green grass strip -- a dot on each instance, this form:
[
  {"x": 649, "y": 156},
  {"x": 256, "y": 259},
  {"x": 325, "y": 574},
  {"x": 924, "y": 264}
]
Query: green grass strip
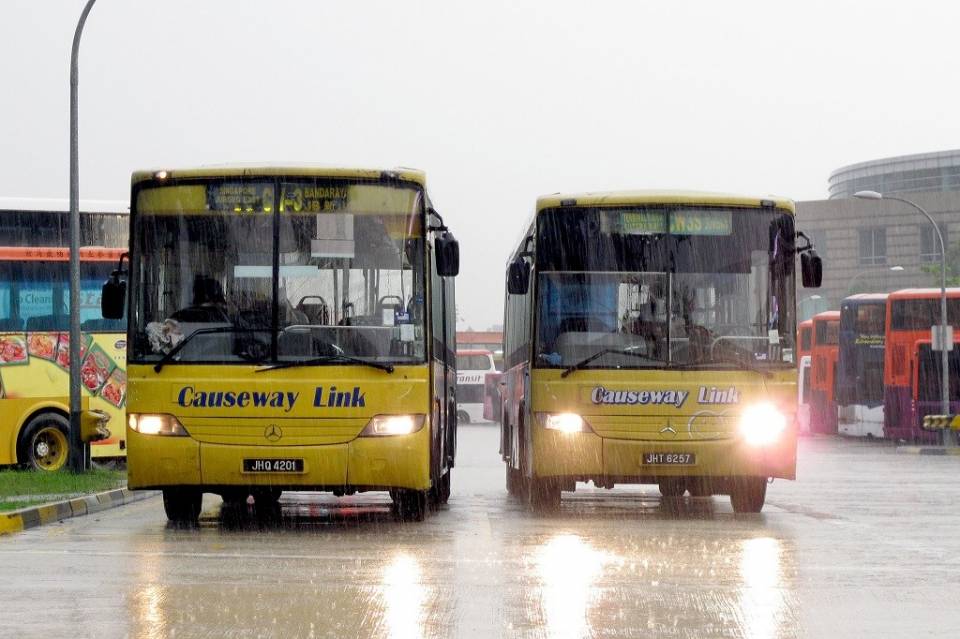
[{"x": 14, "y": 483}]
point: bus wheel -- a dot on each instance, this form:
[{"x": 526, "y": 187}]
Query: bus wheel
[
  {"x": 440, "y": 493},
  {"x": 672, "y": 487},
  {"x": 747, "y": 494},
  {"x": 463, "y": 417},
  {"x": 514, "y": 482},
  {"x": 43, "y": 442},
  {"x": 410, "y": 505},
  {"x": 182, "y": 505},
  {"x": 543, "y": 495}
]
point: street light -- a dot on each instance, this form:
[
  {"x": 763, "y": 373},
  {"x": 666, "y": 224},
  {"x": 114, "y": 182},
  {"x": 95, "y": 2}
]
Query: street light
[
  {"x": 895, "y": 269},
  {"x": 79, "y": 454},
  {"x": 948, "y": 437}
]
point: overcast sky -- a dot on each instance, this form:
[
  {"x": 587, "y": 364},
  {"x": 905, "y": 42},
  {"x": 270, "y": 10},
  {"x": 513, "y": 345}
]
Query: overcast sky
[{"x": 497, "y": 101}]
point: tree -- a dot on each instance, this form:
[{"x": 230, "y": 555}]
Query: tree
[{"x": 953, "y": 267}]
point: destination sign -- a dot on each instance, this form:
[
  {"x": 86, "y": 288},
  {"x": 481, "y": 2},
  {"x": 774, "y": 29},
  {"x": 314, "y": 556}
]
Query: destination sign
[
  {"x": 681, "y": 222},
  {"x": 312, "y": 198},
  {"x": 241, "y": 197}
]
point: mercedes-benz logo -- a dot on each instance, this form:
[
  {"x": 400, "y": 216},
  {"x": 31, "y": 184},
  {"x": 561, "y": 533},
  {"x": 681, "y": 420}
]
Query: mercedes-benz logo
[
  {"x": 668, "y": 429},
  {"x": 272, "y": 433}
]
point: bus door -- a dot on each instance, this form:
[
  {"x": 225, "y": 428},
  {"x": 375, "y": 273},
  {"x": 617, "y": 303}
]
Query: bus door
[{"x": 443, "y": 366}]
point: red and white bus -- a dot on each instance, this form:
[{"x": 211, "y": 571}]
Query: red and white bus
[{"x": 472, "y": 369}]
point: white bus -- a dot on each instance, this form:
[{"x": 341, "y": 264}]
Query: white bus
[{"x": 472, "y": 368}]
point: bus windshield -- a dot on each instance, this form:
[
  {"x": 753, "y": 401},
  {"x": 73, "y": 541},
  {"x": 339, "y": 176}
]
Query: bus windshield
[
  {"x": 662, "y": 286},
  {"x": 285, "y": 270}
]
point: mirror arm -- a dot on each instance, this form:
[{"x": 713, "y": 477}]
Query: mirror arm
[
  {"x": 117, "y": 273},
  {"x": 808, "y": 247}
]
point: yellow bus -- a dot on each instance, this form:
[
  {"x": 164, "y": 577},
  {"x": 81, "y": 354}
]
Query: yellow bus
[
  {"x": 649, "y": 339},
  {"x": 291, "y": 328},
  {"x": 34, "y": 330}
]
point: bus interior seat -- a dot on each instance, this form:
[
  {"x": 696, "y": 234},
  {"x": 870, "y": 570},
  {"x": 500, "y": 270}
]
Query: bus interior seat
[
  {"x": 11, "y": 324},
  {"x": 316, "y": 309},
  {"x": 47, "y": 322},
  {"x": 103, "y": 326}
]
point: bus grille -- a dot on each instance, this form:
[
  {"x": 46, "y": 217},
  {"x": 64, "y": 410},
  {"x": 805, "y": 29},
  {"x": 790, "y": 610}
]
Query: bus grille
[
  {"x": 263, "y": 431},
  {"x": 697, "y": 427}
]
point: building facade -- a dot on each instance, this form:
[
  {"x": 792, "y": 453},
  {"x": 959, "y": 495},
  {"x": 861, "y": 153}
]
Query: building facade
[{"x": 878, "y": 246}]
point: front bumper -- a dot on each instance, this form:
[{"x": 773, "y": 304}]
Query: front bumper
[
  {"x": 586, "y": 455},
  {"x": 401, "y": 461}
]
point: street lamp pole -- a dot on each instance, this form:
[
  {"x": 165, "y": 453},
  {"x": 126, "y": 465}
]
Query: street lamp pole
[
  {"x": 948, "y": 437},
  {"x": 78, "y": 451}
]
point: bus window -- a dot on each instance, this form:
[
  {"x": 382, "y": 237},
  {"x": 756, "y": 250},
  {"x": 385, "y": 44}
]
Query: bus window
[
  {"x": 921, "y": 314},
  {"x": 473, "y": 362}
]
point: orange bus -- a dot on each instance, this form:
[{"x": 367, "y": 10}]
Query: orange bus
[
  {"x": 910, "y": 314},
  {"x": 804, "y": 350},
  {"x": 826, "y": 347}
]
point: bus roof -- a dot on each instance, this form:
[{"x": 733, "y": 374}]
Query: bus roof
[
  {"x": 284, "y": 169},
  {"x": 922, "y": 293},
  {"x": 59, "y": 254},
  {"x": 62, "y": 205},
  {"x": 867, "y": 297},
  {"x": 826, "y": 316},
  {"x": 620, "y": 198},
  {"x": 805, "y": 323},
  {"x": 473, "y": 351}
]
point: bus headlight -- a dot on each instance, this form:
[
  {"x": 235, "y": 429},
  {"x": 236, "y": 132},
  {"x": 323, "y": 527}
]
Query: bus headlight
[
  {"x": 156, "y": 424},
  {"x": 387, "y": 425},
  {"x": 564, "y": 422},
  {"x": 762, "y": 424}
]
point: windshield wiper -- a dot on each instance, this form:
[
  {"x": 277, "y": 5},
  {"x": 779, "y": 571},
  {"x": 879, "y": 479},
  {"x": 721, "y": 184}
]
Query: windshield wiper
[
  {"x": 601, "y": 353},
  {"x": 166, "y": 359},
  {"x": 742, "y": 364},
  {"x": 326, "y": 359}
]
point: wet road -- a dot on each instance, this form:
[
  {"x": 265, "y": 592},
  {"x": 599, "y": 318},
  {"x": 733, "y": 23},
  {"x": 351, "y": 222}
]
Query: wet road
[{"x": 865, "y": 544}]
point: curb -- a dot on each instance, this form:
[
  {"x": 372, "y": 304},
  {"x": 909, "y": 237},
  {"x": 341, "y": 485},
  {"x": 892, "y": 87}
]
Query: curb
[
  {"x": 20, "y": 520},
  {"x": 928, "y": 450}
]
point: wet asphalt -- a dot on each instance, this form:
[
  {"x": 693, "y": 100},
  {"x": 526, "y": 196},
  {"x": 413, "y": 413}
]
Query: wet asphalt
[{"x": 864, "y": 544}]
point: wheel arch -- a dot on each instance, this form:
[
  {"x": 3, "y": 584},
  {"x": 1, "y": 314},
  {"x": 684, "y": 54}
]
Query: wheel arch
[{"x": 41, "y": 408}]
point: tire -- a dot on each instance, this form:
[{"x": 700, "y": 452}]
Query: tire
[
  {"x": 182, "y": 505},
  {"x": 410, "y": 505},
  {"x": 514, "y": 482},
  {"x": 463, "y": 417},
  {"x": 543, "y": 495},
  {"x": 44, "y": 443},
  {"x": 672, "y": 487},
  {"x": 440, "y": 493},
  {"x": 747, "y": 494}
]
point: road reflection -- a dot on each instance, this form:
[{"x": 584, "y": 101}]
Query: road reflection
[
  {"x": 404, "y": 597},
  {"x": 567, "y": 567},
  {"x": 761, "y": 593}
]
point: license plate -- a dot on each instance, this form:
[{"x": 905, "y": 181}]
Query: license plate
[
  {"x": 670, "y": 459},
  {"x": 273, "y": 465}
]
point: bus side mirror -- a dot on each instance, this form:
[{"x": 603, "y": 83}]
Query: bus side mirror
[
  {"x": 447, "y": 249},
  {"x": 518, "y": 277},
  {"x": 811, "y": 267},
  {"x": 113, "y": 297}
]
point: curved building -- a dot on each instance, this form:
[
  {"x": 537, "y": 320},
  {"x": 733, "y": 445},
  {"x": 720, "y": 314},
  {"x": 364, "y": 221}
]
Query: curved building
[{"x": 922, "y": 172}]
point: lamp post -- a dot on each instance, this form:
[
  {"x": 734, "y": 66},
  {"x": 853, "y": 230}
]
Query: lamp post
[
  {"x": 79, "y": 457},
  {"x": 853, "y": 279},
  {"x": 948, "y": 437}
]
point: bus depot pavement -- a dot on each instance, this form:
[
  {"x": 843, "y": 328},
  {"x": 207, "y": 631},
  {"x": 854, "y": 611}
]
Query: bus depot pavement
[{"x": 865, "y": 544}]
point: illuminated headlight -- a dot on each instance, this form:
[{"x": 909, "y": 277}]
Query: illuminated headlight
[
  {"x": 156, "y": 424},
  {"x": 387, "y": 425},
  {"x": 762, "y": 424},
  {"x": 564, "y": 422}
]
